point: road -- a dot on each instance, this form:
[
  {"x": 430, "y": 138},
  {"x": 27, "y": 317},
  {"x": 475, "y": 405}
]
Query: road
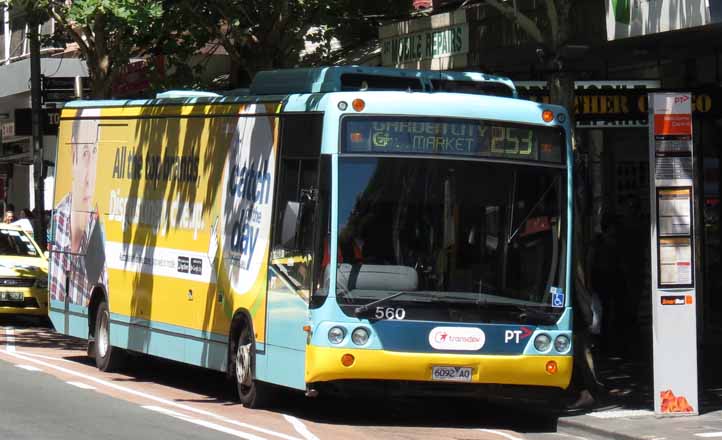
[{"x": 52, "y": 390}]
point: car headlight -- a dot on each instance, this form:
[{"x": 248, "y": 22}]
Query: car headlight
[
  {"x": 360, "y": 336},
  {"x": 542, "y": 342},
  {"x": 336, "y": 335},
  {"x": 41, "y": 283},
  {"x": 562, "y": 343}
]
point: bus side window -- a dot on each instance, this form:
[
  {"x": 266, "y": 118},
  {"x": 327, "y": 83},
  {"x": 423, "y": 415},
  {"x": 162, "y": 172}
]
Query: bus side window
[{"x": 293, "y": 251}]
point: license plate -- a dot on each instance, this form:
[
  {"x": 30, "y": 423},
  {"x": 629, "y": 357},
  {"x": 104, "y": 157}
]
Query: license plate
[
  {"x": 11, "y": 296},
  {"x": 451, "y": 374}
]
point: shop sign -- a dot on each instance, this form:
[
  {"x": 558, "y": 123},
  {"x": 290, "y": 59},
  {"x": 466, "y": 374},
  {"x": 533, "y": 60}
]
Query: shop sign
[
  {"x": 612, "y": 104},
  {"x": 634, "y": 18},
  {"x": 8, "y": 129},
  {"x": 24, "y": 121},
  {"x": 433, "y": 43},
  {"x": 423, "y": 41}
]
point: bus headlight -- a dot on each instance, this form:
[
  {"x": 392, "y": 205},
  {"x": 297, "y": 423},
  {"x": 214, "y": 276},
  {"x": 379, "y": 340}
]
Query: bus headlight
[
  {"x": 562, "y": 343},
  {"x": 336, "y": 335},
  {"x": 360, "y": 336},
  {"x": 542, "y": 342}
]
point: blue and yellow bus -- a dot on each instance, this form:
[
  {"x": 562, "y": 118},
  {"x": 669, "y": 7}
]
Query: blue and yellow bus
[{"x": 329, "y": 229}]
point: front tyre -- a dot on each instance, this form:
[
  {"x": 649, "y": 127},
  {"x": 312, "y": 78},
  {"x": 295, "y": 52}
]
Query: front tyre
[
  {"x": 251, "y": 392},
  {"x": 107, "y": 357}
]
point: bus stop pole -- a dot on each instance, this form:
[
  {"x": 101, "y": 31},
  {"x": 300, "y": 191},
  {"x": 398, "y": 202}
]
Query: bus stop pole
[{"x": 37, "y": 130}]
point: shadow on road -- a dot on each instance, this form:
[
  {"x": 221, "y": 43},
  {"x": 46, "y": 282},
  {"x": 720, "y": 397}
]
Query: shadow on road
[
  {"x": 38, "y": 333},
  {"x": 213, "y": 387}
]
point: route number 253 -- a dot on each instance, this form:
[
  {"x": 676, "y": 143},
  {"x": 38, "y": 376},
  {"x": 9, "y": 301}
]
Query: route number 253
[{"x": 390, "y": 313}]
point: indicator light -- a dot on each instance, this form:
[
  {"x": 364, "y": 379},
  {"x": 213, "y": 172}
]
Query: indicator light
[
  {"x": 547, "y": 115},
  {"x": 551, "y": 367},
  {"x": 347, "y": 360},
  {"x": 358, "y": 104}
]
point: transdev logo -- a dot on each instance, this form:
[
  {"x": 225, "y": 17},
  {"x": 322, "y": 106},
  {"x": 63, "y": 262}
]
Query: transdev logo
[{"x": 457, "y": 338}]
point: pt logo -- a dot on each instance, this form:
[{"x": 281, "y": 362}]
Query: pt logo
[
  {"x": 515, "y": 336},
  {"x": 441, "y": 337}
]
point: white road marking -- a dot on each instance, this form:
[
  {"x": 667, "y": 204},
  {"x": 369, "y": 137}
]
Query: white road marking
[
  {"x": 618, "y": 414},
  {"x": 9, "y": 340},
  {"x": 82, "y": 385},
  {"x": 300, "y": 427},
  {"x": 204, "y": 423},
  {"x": 153, "y": 398},
  {"x": 564, "y": 434},
  {"x": 501, "y": 434},
  {"x": 28, "y": 367},
  {"x": 709, "y": 434},
  {"x": 50, "y": 358}
]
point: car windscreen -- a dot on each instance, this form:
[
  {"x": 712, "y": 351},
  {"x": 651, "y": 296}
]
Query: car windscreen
[{"x": 16, "y": 243}]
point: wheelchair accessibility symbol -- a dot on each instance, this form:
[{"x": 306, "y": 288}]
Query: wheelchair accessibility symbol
[{"x": 557, "y": 297}]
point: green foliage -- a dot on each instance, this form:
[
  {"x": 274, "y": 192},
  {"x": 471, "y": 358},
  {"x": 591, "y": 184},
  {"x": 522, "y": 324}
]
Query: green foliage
[
  {"x": 263, "y": 34},
  {"x": 109, "y": 33}
]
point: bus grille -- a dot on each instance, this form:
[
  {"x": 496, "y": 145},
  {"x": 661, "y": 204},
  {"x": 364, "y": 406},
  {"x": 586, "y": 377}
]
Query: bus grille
[
  {"x": 17, "y": 282},
  {"x": 27, "y": 303}
]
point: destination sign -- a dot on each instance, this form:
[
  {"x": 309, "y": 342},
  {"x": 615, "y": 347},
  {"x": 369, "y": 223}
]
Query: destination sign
[{"x": 452, "y": 137}]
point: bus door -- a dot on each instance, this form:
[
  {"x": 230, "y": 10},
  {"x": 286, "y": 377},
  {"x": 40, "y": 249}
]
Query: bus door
[{"x": 292, "y": 256}]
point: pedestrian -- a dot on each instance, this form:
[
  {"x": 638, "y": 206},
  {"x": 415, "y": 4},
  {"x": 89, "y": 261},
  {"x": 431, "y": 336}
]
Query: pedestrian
[
  {"x": 25, "y": 221},
  {"x": 585, "y": 388},
  {"x": 9, "y": 217}
]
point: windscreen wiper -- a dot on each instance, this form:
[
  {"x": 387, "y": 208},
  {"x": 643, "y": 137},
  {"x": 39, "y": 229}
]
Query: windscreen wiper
[
  {"x": 525, "y": 312},
  {"x": 365, "y": 308}
]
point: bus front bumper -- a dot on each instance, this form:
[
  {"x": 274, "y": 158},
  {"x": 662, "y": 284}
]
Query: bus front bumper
[{"x": 324, "y": 364}]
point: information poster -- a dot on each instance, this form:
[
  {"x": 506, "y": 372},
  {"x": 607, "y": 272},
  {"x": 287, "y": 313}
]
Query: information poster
[
  {"x": 673, "y": 264},
  {"x": 675, "y": 211}
]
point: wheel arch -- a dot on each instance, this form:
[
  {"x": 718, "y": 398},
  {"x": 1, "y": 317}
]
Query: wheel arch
[{"x": 98, "y": 295}]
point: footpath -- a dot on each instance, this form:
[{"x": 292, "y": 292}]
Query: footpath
[{"x": 631, "y": 415}]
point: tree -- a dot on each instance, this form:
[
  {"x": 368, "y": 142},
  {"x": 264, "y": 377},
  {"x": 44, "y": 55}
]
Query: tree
[
  {"x": 109, "y": 33},
  {"x": 553, "y": 40},
  {"x": 262, "y": 34}
]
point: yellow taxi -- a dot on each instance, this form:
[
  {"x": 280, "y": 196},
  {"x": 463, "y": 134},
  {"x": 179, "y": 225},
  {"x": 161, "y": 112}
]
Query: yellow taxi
[{"x": 23, "y": 274}]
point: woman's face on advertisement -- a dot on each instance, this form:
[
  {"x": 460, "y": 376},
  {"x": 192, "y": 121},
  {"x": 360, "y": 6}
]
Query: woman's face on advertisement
[{"x": 84, "y": 164}]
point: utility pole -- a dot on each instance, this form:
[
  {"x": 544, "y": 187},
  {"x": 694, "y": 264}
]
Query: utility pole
[{"x": 38, "y": 159}]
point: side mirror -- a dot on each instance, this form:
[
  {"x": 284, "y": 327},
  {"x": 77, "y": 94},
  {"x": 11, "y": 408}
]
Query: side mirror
[{"x": 290, "y": 224}]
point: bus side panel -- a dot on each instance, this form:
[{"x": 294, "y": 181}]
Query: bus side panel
[
  {"x": 244, "y": 229},
  {"x": 73, "y": 271},
  {"x": 286, "y": 346},
  {"x": 175, "y": 270}
]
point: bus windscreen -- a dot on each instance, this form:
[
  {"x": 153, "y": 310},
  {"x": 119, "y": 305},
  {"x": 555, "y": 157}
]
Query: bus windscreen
[{"x": 452, "y": 137}]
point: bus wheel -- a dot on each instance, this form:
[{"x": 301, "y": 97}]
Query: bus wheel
[
  {"x": 251, "y": 392},
  {"x": 107, "y": 357}
]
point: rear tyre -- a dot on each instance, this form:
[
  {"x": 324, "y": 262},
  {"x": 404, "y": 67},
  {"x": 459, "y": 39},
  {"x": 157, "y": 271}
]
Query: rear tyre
[
  {"x": 251, "y": 392},
  {"x": 107, "y": 357}
]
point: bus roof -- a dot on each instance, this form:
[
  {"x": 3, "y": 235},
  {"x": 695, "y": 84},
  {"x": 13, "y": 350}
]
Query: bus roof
[
  {"x": 356, "y": 78},
  {"x": 277, "y": 85}
]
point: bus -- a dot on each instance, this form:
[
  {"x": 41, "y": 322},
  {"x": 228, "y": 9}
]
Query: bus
[{"x": 331, "y": 230}]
